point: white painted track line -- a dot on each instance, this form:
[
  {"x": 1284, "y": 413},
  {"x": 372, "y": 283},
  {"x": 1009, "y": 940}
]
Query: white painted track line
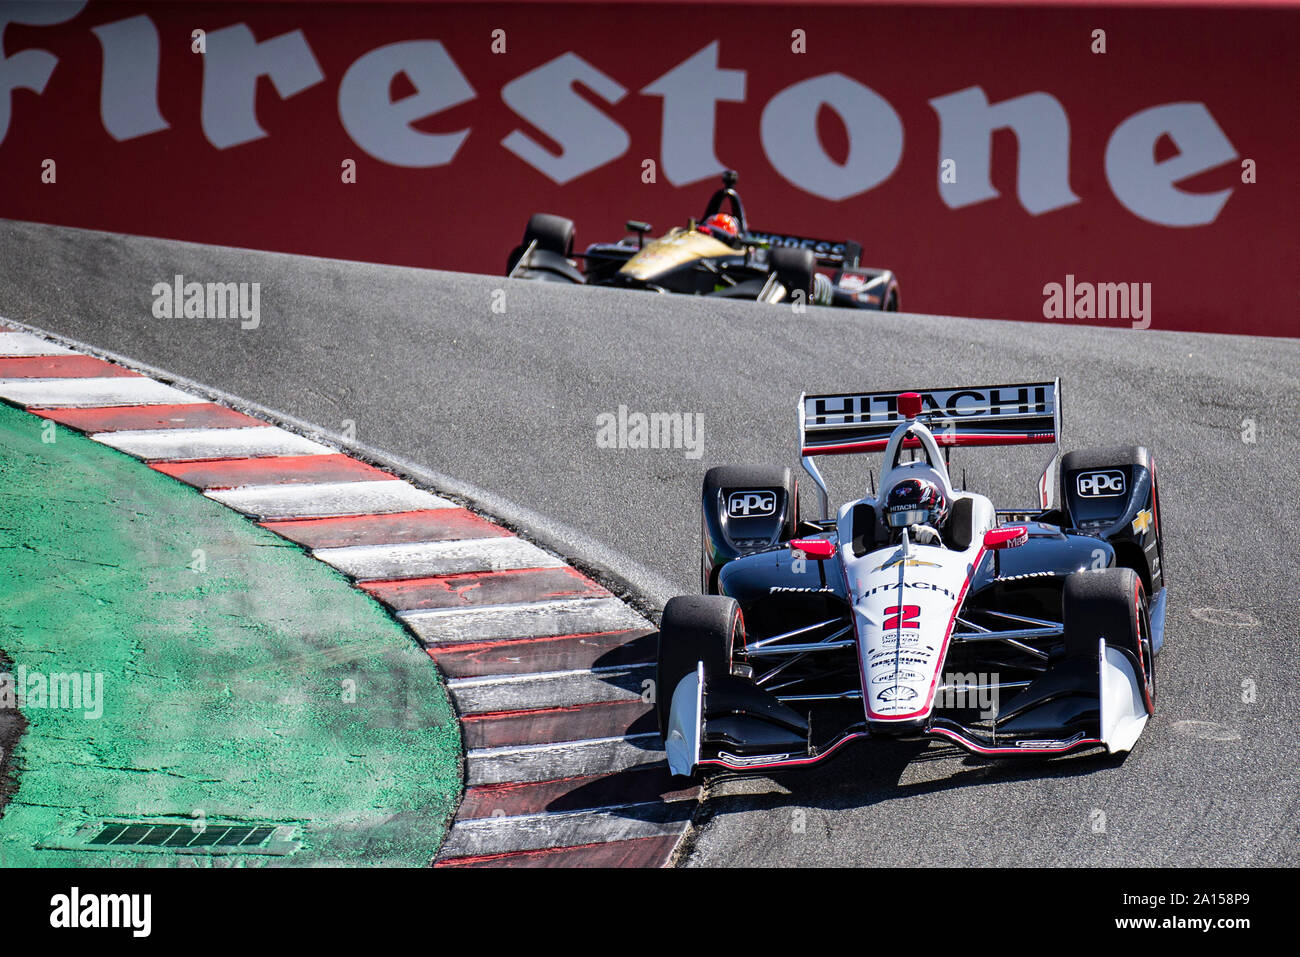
[
  {"x": 565, "y": 759},
  {"x": 553, "y": 689},
  {"x": 568, "y": 616},
  {"x": 26, "y": 344},
  {"x": 92, "y": 392},
  {"x": 156, "y": 445},
  {"x": 423, "y": 559},
  {"x": 327, "y": 499}
]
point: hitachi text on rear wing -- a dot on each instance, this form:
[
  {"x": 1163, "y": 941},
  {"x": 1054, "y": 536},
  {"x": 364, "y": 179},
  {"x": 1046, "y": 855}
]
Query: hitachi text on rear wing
[{"x": 1027, "y": 413}]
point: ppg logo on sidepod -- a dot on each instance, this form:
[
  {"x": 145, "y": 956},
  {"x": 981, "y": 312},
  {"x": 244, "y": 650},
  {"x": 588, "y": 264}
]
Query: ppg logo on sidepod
[
  {"x": 751, "y": 504},
  {"x": 1099, "y": 484}
]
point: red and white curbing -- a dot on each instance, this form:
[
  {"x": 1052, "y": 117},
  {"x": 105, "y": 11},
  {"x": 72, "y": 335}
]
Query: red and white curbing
[{"x": 546, "y": 667}]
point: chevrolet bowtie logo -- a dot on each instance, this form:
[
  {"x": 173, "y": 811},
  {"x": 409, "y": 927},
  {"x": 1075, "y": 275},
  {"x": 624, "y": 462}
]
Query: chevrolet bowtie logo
[
  {"x": 1142, "y": 522},
  {"x": 909, "y": 562}
]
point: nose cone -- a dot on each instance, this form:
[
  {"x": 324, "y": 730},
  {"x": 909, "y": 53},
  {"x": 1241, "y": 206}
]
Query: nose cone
[
  {"x": 670, "y": 252},
  {"x": 900, "y": 659},
  {"x": 903, "y": 613}
]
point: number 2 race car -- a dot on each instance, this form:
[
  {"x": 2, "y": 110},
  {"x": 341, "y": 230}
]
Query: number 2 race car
[
  {"x": 921, "y": 610},
  {"x": 718, "y": 256}
]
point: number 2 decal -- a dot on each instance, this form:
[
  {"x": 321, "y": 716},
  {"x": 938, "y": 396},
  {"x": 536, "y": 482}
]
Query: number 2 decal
[{"x": 903, "y": 616}]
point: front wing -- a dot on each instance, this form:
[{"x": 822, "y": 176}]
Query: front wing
[{"x": 726, "y": 723}]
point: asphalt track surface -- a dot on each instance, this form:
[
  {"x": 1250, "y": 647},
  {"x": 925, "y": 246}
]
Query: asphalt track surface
[{"x": 508, "y": 402}]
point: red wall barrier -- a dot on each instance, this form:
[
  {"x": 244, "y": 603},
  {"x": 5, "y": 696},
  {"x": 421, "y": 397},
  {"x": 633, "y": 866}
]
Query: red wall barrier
[{"x": 1132, "y": 165}]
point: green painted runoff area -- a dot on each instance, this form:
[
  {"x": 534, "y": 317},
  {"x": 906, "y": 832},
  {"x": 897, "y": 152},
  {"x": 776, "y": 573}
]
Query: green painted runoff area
[{"x": 243, "y": 682}]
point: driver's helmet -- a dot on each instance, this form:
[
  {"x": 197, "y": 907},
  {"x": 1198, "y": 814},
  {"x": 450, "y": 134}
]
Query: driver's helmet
[
  {"x": 721, "y": 225},
  {"x": 915, "y": 502}
]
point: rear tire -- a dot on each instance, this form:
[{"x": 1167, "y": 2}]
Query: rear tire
[
  {"x": 694, "y": 628},
  {"x": 1111, "y": 604}
]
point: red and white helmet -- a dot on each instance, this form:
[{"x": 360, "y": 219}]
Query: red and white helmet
[
  {"x": 720, "y": 225},
  {"x": 916, "y": 502}
]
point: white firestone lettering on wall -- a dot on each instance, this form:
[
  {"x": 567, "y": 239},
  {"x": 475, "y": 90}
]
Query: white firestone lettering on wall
[
  {"x": 383, "y": 128},
  {"x": 128, "y": 91},
  {"x": 789, "y": 133},
  {"x": 235, "y": 61},
  {"x": 691, "y": 91},
  {"x": 29, "y": 69},
  {"x": 548, "y": 99},
  {"x": 1147, "y": 188},
  {"x": 966, "y": 124}
]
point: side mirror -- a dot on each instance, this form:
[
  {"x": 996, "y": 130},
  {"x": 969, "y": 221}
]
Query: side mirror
[
  {"x": 818, "y": 548},
  {"x": 1011, "y": 536},
  {"x": 640, "y": 229}
]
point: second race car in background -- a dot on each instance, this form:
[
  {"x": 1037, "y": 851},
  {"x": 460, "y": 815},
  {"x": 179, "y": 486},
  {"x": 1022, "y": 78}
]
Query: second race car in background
[{"x": 719, "y": 256}]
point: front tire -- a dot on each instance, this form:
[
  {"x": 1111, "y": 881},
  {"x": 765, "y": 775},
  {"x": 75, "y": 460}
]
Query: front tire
[
  {"x": 794, "y": 269},
  {"x": 552, "y": 233},
  {"x": 1110, "y": 604},
  {"x": 694, "y": 628}
]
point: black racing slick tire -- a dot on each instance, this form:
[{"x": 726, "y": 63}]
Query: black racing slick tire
[
  {"x": 552, "y": 233},
  {"x": 794, "y": 269},
  {"x": 1112, "y": 604},
  {"x": 694, "y": 628}
]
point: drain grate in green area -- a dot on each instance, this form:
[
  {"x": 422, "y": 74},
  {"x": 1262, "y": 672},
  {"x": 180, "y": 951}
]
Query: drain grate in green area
[{"x": 211, "y": 838}]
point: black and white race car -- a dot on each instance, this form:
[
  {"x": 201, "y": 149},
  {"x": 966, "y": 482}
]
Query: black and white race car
[
  {"x": 919, "y": 610},
  {"x": 720, "y": 255}
]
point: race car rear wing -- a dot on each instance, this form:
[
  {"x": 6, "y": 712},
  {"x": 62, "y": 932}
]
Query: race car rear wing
[
  {"x": 827, "y": 252},
  {"x": 1027, "y": 413},
  {"x": 1024, "y": 414}
]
